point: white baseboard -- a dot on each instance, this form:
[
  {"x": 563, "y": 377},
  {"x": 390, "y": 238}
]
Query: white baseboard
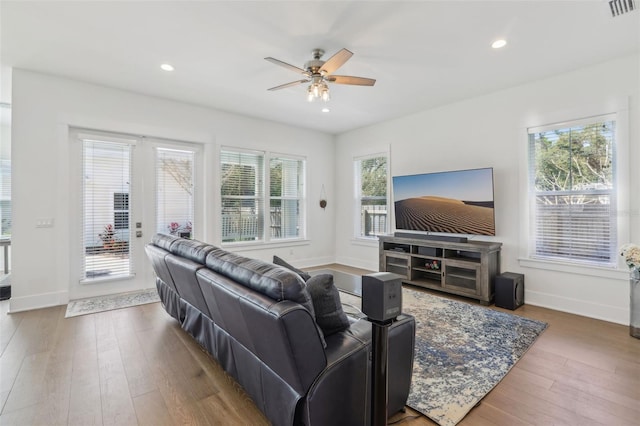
[
  {"x": 583, "y": 308},
  {"x": 357, "y": 263},
  {"x": 38, "y": 301},
  {"x": 316, "y": 261}
]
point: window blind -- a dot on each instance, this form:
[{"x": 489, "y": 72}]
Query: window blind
[
  {"x": 573, "y": 191},
  {"x": 286, "y": 197},
  {"x": 242, "y": 196},
  {"x": 5, "y": 197},
  {"x": 174, "y": 192},
  {"x": 371, "y": 195},
  {"x": 106, "y": 172}
]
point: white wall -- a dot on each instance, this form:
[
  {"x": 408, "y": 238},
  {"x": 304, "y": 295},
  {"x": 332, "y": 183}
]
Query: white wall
[
  {"x": 479, "y": 132},
  {"x": 490, "y": 131},
  {"x": 45, "y": 106}
]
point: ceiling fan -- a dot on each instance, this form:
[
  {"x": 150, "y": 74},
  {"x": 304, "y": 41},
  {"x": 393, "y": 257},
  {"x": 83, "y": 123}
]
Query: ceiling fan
[{"x": 319, "y": 73}]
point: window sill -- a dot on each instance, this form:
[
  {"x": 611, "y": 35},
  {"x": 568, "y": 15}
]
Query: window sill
[
  {"x": 107, "y": 279},
  {"x": 264, "y": 245},
  {"x": 588, "y": 270},
  {"x": 366, "y": 242}
]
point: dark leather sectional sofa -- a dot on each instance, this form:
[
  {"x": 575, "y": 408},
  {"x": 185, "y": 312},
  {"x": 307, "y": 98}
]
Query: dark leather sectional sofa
[{"x": 256, "y": 319}]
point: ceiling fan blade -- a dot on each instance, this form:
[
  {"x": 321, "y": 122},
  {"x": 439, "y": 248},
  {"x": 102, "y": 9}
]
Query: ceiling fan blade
[
  {"x": 293, "y": 83},
  {"x": 336, "y": 61},
  {"x": 286, "y": 65},
  {"x": 347, "y": 79}
]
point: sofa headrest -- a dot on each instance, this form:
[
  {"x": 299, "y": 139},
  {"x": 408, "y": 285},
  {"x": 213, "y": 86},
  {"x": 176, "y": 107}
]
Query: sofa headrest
[
  {"x": 271, "y": 280},
  {"x": 164, "y": 241},
  {"x": 194, "y": 250}
]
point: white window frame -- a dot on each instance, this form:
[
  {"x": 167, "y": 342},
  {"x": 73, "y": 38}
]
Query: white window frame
[
  {"x": 357, "y": 180},
  {"x": 265, "y": 237},
  {"x": 618, "y": 107}
]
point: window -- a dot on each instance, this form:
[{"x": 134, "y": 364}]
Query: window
[
  {"x": 573, "y": 191},
  {"x": 106, "y": 228},
  {"x": 242, "y": 196},
  {"x": 5, "y": 171},
  {"x": 174, "y": 192},
  {"x": 5, "y": 197},
  {"x": 371, "y": 195},
  {"x": 286, "y": 177},
  {"x": 244, "y": 180}
]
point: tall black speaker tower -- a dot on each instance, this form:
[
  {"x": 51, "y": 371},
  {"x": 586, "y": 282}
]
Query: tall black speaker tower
[{"x": 382, "y": 303}]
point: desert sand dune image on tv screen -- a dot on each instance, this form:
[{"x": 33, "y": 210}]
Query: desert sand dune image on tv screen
[{"x": 437, "y": 214}]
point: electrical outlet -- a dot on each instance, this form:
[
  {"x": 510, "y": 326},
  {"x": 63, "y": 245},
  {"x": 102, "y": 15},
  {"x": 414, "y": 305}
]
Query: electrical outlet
[{"x": 44, "y": 222}]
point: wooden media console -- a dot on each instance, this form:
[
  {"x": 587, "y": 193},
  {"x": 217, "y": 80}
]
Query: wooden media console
[{"x": 466, "y": 269}]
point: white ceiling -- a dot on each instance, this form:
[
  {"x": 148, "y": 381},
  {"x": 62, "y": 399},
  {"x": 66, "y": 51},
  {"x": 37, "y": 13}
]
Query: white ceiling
[{"x": 422, "y": 53}]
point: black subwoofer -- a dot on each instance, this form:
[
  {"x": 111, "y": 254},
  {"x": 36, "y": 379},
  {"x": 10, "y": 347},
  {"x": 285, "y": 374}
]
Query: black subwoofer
[
  {"x": 509, "y": 290},
  {"x": 5, "y": 292}
]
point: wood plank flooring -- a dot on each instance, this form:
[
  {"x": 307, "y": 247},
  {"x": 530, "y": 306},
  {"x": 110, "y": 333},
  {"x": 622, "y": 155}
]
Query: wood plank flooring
[{"x": 136, "y": 366}]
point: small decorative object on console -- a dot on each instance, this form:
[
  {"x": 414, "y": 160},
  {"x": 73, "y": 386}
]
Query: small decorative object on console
[{"x": 433, "y": 265}]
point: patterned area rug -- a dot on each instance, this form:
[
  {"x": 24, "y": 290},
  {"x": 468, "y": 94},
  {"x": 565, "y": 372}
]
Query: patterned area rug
[
  {"x": 93, "y": 305},
  {"x": 462, "y": 352}
]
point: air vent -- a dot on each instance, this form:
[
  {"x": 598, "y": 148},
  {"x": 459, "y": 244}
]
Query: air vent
[{"x": 620, "y": 7}]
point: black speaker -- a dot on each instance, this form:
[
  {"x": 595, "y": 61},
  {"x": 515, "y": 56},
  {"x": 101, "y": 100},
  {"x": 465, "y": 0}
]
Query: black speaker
[
  {"x": 509, "y": 288},
  {"x": 5, "y": 292},
  {"x": 381, "y": 296}
]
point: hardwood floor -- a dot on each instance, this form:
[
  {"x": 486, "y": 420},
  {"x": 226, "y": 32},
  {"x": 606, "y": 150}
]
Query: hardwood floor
[
  {"x": 124, "y": 367},
  {"x": 137, "y": 366}
]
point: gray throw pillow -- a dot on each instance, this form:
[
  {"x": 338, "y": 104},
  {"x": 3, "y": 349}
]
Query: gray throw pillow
[
  {"x": 326, "y": 304},
  {"x": 281, "y": 262}
]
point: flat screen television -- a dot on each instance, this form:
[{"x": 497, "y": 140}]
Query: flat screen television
[{"x": 453, "y": 202}]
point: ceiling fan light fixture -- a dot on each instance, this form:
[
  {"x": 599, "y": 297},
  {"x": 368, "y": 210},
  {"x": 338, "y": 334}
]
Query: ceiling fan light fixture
[
  {"x": 325, "y": 94},
  {"x": 318, "y": 90},
  {"x": 319, "y": 73}
]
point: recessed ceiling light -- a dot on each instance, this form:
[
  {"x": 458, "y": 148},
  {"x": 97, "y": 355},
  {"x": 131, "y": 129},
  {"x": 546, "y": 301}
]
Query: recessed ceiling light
[
  {"x": 499, "y": 43},
  {"x": 167, "y": 67},
  {"x": 325, "y": 110}
]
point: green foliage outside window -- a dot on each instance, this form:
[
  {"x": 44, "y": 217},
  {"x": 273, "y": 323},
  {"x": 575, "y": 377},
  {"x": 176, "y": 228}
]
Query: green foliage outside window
[
  {"x": 574, "y": 159},
  {"x": 373, "y": 175},
  {"x": 238, "y": 180},
  {"x": 276, "y": 183}
]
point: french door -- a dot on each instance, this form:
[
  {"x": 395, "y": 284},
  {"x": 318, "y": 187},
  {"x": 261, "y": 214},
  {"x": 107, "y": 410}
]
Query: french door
[{"x": 129, "y": 189}]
